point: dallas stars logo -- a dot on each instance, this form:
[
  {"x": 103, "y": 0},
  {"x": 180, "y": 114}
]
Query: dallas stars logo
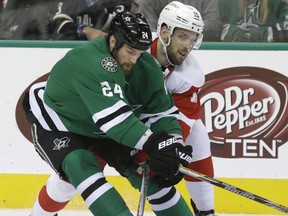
[
  {"x": 127, "y": 19},
  {"x": 109, "y": 64},
  {"x": 61, "y": 143}
]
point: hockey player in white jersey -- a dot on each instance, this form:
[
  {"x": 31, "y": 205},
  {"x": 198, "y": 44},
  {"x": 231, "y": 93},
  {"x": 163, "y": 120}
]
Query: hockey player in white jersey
[{"x": 179, "y": 31}]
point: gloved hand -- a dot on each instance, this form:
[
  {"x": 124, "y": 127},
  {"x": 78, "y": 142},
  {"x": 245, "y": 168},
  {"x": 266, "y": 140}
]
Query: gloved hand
[
  {"x": 185, "y": 157},
  {"x": 163, "y": 156}
]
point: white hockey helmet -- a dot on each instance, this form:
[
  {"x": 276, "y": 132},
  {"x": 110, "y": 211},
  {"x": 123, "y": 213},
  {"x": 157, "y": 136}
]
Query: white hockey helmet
[{"x": 177, "y": 14}]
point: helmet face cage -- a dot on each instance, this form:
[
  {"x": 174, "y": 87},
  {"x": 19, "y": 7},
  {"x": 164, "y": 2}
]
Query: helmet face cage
[
  {"x": 131, "y": 29},
  {"x": 177, "y": 14}
]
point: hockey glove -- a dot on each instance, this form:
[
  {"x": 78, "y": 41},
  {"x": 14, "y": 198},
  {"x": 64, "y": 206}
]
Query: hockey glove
[
  {"x": 163, "y": 155},
  {"x": 185, "y": 157}
]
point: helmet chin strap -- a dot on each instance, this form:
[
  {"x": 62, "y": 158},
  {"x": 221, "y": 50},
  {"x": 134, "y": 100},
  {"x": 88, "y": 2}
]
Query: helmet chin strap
[{"x": 165, "y": 45}]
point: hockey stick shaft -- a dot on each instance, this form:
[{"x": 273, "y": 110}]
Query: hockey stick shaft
[
  {"x": 143, "y": 193},
  {"x": 233, "y": 189}
]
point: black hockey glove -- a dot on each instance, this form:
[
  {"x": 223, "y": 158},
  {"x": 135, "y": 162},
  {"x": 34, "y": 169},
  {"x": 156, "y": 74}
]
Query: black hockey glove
[
  {"x": 185, "y": 157},
  {"x": 163, "y": 156}
]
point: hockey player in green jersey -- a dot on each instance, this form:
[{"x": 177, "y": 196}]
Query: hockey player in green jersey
[{"x": 108, "y": 97}]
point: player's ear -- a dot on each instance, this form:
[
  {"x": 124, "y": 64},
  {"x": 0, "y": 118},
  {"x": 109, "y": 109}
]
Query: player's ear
[
  {"x": 164, "y": 33},
  {"x": 112, "y": 42}
]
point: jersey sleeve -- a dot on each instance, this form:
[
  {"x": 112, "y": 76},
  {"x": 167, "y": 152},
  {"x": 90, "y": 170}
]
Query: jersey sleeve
[
  {"x": 159, "y": 112},
  {"x": 64, "y": 24}
]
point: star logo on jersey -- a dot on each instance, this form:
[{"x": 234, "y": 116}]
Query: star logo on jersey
[
  {"x": 61, "y": 143},
  {"x": 109, "y": 64}
]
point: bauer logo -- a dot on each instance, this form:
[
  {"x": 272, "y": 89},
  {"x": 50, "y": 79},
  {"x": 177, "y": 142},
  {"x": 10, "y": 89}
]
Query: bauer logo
[{"x": 245, "y": 112}]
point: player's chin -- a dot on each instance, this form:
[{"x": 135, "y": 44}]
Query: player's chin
[
  {"x": 127, "y": 68},
  {"x": 179, "y": 60}
]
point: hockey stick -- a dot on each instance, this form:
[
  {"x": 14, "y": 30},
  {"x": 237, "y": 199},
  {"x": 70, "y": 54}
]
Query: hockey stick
[
  {"x": 144, "y": 187},
  {"x": 233, "y": 189}
]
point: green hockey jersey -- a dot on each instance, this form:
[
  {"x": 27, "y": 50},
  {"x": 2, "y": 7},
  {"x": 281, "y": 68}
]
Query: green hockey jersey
[
  {"x": 87, "y": 93},
  {"x": 253, "y": 20}
]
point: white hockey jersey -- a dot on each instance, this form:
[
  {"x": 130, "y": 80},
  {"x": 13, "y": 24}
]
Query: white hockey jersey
[{"x": 184, "y": 83}]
